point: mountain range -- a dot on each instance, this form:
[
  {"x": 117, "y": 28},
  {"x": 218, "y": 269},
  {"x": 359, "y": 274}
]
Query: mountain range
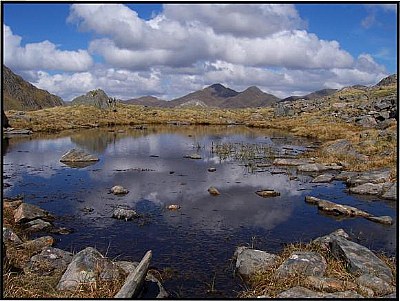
[{"x": 19, "y": 94}]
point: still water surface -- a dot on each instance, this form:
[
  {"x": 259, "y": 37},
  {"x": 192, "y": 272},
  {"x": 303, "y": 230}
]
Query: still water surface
[{"x": 197, "y": 242}]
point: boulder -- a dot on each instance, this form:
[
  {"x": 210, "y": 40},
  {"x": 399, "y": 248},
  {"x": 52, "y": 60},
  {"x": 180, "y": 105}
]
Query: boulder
[
  {"x": 27, "y": 212},
  {"x": 268, "y": 193},
  {"x": 126, "y": 214},
  {"x": 37, "y": 225},
  {"x": 366, "y": 121},
  {"x": 325, "y": 240},
  {"x": 213, "y": 191},
  {"x": 250, "y": 261},
  {"x": 87, "y": 266},
  {"x": 118, "y": 190},
  {"x": 49, "y": 261},
  {"x": 325, "y": 178},
  {"x": 10, "y": 237},
  {"x": 373, "y": 176},
  {"x": 378, "y": 285},
  {"x": 359, "y": 259},
  {"x": 336, "y": 209},
  {"x": 78, "y": 158},
  {"x": 367, "y": 188},
  {"x": 11, "y": 204},
  {"x": 36, "y": 245},
  {"x": 343, "y": 147},
  {"x": 302, "y": 292},
  {"x": 391, "y": 192},
  {"x": 212, "y": 169},
  {"x": 302, "y": 263},
  {"x": 173, "y": 207}
]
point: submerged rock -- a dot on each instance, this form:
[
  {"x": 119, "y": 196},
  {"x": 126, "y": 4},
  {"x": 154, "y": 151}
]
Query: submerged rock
[
  {"x": 268, "y": 193},
  {"x": 173, "y": 207}
]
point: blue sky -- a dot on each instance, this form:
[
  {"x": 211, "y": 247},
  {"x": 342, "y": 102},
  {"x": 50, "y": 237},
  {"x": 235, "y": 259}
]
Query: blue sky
[{"x": 169, "y": 50}]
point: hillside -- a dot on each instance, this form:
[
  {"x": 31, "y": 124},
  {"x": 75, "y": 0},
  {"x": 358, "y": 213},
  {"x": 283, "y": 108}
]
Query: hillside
[
  {"x": 251, "y": 97},
  {"x": 313, "y": 95},
  {"x": 150, "y": 101},
  {"x": 19, "y": 94}
]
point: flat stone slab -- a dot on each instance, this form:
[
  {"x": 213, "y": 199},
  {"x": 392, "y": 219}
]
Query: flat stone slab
[
  {"x": 367, "y": 188},
  {"x": 291, "y": 162},
  {"x": 304, "y": 263},
  {"x": 193, "y": 156},
  {"x": 359, "y": 259},
  {"x": 336, "y": 209},
  {"x": 78, "y": 158},
  {"x": 325, "y": 178},
  {"x": 391, "y": 192},
  {"x": 373, "y": 176},
  {"x": 329, "y": 285},
  {"x": 250, "y": 261},
  {"x": 37, "y": 225},
  {"x": 318, "y": 167}
]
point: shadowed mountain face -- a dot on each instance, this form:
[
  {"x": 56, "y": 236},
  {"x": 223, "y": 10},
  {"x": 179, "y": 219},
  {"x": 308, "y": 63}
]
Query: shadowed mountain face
[
  {"x": 251, "y": 97},
  {"x": 150, "y": 101},
  {"x": 18, "y": 94},
  {"x": 313, "y": 95}
]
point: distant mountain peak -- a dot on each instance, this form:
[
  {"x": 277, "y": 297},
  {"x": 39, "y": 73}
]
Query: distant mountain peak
[
  {"x": 220, "y": 90},
  {"x": 387, "y": 81}
]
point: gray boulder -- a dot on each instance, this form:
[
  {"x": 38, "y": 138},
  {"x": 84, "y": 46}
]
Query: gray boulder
[
  {"x": 87, "y": 266},
  {"x": 303, "y": 263},
  {"x": 325, "y": 240},
  {"x": 318, "y": 167},
  {"x": 78, "y": 158},
  {"x": 367, "y": 188},
  {"x": 49, "y": 261},
  {"x": 268, "y": 193},
  {"x": 359, "y": 259},
  {"x": 345, "y": 148},
  {"x": 37, "y": 225},
  {"x": 373, "y": 176},
  {"x": 291, "y": 162},
  {"x": 118, "y": 190},
  {"x": 97, "y": 98},
  {"x": 302, "y": 292},
  {"x": 250, "y": 261},
  {"x": 391, "y": 192},
  {"x": 27, "y": 212},
  {"x": 10, "y": 237},
  {"x": 378, "y": 285},
  {"x": 325, "y": 178}
]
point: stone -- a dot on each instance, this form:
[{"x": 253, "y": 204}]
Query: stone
[
  {"x": 268, "y": 193},
  {"x": 390, "y": 296},
  {"x": 366, "y": 121},
  {"x": 298, "y": 292},
  {"x": 213, "y": 191},
  {"x": 250, "y": 261},
  {"x": 27, "y": 212},
  {"x": 328, "y": 284},
  {"x": 391, "y": 193},
  {"x": 49, "y": 261},
  {"x": 10, "y": 237},
  {"x": 12, "y": 204},
  {"x": 345, "y": 148},
  {"x": 36, "y": 245},
  {"x": 303, "y": 263},
  {"x": 173, "y": 207},
  {"x": 126, "y": 214},
  {"x": 37, "y": 225},
  {"x": 386, "y": 220},
  {"x": 212, "y": 169},
  {"x": 325, "y": 178},
  {"x": 325, "y": 240},
  {"x": 367, "y": 188},
  {"x": 378, "y": 285},
  {"x": 345, "y": 175},
  {"x": 359, "y": 259},
  {"x": 75, "y": 155},
  {"x": 336, "y": 209},
  {"x": 317, "y": 167},
  {"x": 118, "y": 190},
  {"x": 87, "y": 266},
  {"x": 291, "y": 162},
  {"x": 373, "y": 176},
  {"x": 193, "y": 156},
  {"x": 129, "y": 266}
]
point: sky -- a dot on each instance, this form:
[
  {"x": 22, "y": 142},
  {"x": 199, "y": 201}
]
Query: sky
[{"x": 170, "y": 50}]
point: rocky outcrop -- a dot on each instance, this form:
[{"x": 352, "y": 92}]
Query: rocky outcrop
[
  {"x": 250, "y": 261},
  {"x": 97, "y": 98},
  {"x": 28, "y": 212},
  {"x": 20, "y": 95}
]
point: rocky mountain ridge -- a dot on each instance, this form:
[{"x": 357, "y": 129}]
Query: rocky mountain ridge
[{"x": 19, "y": 94}]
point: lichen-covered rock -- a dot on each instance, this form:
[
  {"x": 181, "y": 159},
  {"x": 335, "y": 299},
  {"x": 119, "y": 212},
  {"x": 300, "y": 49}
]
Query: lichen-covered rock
[
  {"x": 36, "y": 245},
  {"x": 318, "y": 167},
  {"x": 378, "y": 285},
  {"x": 325, "y": 240},
  {"x": 126, "y": 214},
  {"x": 10, "y": 237},
  {"x": 249, "y": 261},
  {"x": 87, "y": 266},
  {"x": 49, "y": 261},
  {"x": 303, "y": 263},
  {"x": 119, "y": 190},
  {"x": 359, "y": 259}
]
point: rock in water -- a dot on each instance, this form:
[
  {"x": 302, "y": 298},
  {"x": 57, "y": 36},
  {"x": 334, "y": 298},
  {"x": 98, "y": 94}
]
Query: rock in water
[
  {"x": 126, "y": 214},
  {"x": 213, "y": 191},
  {"x": 268, "y": 193},
  {"x": 118, "y": 189},
  {"x": 27, "y": 212},
  {"x": 78, "y": 158}
]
